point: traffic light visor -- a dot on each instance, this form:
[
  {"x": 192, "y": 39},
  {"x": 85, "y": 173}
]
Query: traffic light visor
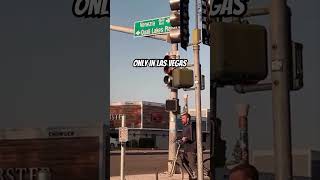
[{"x": 167, "y": 80}]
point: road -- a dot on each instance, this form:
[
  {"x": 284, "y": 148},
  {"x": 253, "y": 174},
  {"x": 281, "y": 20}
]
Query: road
[{"x": 140, "y": 164}]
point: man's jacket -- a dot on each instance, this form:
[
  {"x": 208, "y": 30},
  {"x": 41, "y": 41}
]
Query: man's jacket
[{"x": 190, "y": 145}]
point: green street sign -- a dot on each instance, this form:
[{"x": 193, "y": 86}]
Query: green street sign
[{"x": 152, "y": 26}]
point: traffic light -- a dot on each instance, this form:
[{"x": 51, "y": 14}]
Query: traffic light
[
  {"x": 178, "y": 77},
  {"x": 172, "y": 105},
  {"x": 168, "y": 77},
  {"x": 202, "y": 82},
  {"x": 238, "y": 54},
  {"x": 179, "y": 17},
  {"x": 182, "y": 78},
  {"x": 296, "y": 67},
  {"x": 205, "y": 19},
  {"x": 184, "y": 23},
  {"x": 168, "y": 70}
]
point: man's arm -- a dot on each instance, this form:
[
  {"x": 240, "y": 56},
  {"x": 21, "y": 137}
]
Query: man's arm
[{"x": 187, "y": 136}]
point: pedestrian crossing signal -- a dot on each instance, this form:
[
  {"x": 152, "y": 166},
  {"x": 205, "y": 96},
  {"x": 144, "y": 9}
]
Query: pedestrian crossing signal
[{"x": 172, "y": 105}]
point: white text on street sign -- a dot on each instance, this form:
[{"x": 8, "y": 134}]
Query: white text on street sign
[{"x": 152, "y": 26}]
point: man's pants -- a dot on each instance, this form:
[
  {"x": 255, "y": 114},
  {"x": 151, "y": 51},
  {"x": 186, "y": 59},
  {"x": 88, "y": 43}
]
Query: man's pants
[{"x": 191, "y": 159}]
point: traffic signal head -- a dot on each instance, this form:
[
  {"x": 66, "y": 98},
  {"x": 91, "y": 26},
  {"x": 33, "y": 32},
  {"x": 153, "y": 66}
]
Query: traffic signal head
[
  {"x": 168, "y": 77},
  {"x": 174, "y": 5},
  {"x": 179, "y": 17},
  {"x": 182, "y": 78},
  {"x": 239, "y": 53},
  {"x": 168, "y": 71},
  {"x": 167, "y": 80},
  {"x": 175, "y": 18},
  {"x": 172, "y": 105},
  {"x": 178, "y": 77},
  {"x": 184, "y": 23},
  {"x": 296, "y": 67}
]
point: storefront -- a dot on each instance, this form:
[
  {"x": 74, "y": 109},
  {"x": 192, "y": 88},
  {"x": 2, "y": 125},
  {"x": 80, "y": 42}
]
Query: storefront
[
  {"x": 148, "y": 123},
  {"x": 66, "y": 153},
  {"x": 140, "y": 114}
]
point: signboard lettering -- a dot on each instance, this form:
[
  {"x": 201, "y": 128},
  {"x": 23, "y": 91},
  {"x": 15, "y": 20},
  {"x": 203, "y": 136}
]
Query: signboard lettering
[
  {"x": 116, "y": 116},
  {"x": 60, "y": 133},
  {"x": 152, "y": 26},
  {"x": 20, "y": 173}
]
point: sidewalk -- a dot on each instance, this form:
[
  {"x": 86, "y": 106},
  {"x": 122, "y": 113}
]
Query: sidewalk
[
  {"x": 143, "y": 152},
  {"x": 161, "y": 176}
]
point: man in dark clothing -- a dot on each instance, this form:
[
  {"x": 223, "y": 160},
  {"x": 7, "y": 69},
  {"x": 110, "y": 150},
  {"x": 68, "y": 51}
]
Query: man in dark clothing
[
  {"x": 244, "y": 172},
  {"x": 189, "y": 144}
]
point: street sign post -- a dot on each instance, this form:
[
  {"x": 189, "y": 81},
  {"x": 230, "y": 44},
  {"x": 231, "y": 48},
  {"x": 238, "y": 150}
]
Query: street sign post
[
  {"x": 123, "y": 138},
  {"x": 123, "y": 134},
  {"x": 152, "y": 27}
]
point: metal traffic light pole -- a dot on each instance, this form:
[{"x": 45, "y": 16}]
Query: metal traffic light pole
[
  {"x": 281, "y": 54},
  {"x": 197, "y": 76},
  {"x": 173, "y": 93},
  {"x": 172, "y": 118},
  {"x": 281, "y": 50}
]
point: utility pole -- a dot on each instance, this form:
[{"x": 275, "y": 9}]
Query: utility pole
[
  {"x": 197, "y": 78},
  {"x": 172, "y": 118},
  {"x": 281, "y": 53}
]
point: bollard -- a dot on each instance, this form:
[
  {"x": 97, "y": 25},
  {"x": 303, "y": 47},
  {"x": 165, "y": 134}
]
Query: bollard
[{"x": 44, "y": 174}]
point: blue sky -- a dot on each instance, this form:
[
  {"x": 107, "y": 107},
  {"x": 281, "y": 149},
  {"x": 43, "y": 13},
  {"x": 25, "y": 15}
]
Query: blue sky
[{"x": 128, "y": 83}]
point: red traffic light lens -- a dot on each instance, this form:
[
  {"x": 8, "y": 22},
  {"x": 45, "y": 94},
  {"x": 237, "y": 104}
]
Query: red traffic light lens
[{"x": 168, "y": 70}]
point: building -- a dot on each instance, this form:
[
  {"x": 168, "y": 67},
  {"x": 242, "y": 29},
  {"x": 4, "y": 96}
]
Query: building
[
  {"x": 66, "y": 153},
  {"x": 139, "y": 115},
  {"x": 148, "y": 123},
  {"x": 205, "y": 114},
  {"x": 305, "y": 162}
]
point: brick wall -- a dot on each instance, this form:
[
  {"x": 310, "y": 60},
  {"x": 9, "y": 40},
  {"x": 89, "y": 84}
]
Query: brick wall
[{"x": 68, "y": 158}]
